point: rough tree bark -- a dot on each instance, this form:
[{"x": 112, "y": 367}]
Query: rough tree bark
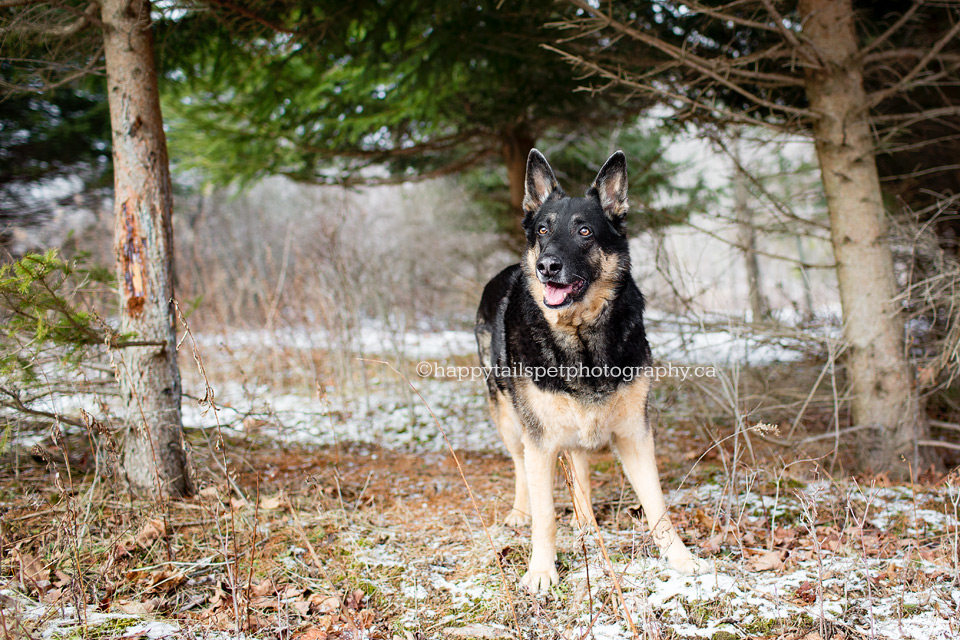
[
  {"x": 153, "y": 453},
  {"x": 883, "y": 394}
]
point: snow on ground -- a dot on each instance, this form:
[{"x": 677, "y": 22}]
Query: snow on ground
[
  {"x": 370, "y": 338},
  {"x": 846, "y": 591},
  {"x": 717, "y": 340},
  {"x": 392, "y": 417},
  {"x": 435, "y": 593}
]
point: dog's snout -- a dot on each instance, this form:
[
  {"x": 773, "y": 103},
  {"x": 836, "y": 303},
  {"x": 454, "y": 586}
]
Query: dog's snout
[{"x": 549, "y": 266}]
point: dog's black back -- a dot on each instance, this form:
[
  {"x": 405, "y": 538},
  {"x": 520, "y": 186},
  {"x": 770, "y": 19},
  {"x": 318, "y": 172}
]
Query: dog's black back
[{"x": 572, "y": 302}]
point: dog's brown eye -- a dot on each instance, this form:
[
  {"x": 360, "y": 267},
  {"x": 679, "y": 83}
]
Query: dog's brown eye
[
  {"x": 542, "y": 230},
  {"x": 585, "y": 231}
]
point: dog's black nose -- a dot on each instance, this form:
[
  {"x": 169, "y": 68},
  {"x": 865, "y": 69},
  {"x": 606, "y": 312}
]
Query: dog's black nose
[{"x": 549, "y": 266}]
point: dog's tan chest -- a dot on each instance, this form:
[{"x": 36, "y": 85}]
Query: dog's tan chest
[{"x": 569, "y": 423}]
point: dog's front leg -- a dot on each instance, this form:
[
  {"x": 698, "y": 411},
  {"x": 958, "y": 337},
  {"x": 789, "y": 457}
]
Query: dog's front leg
[
  {"x": 640, "y": 464},
  {"x": 540, "y": 464}
]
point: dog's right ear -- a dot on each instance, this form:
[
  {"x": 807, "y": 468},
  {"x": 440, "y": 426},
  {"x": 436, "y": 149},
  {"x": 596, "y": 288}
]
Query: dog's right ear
[{"x": 540, "y": 182}]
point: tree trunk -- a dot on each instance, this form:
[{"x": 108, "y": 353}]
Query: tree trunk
[
  {"x": 747, "y": 239},
  {"x": 516, "y": 146},
  {"x": 153, "y": 453},
  {"x": 883, "y": 393}
]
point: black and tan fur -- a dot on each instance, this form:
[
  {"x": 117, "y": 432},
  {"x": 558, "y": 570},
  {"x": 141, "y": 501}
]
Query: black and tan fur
[{"x": 571, "y": 302}]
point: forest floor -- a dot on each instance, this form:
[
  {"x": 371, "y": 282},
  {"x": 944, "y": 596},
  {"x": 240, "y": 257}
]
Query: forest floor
[{"x": 322, "y": 518}]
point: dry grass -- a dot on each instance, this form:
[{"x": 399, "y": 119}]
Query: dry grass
[{"x": 358, "y": 541}]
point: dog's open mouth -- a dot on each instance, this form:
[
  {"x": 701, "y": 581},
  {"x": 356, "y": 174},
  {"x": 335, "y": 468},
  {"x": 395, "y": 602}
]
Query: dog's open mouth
[{"x": 557, "y": 294}]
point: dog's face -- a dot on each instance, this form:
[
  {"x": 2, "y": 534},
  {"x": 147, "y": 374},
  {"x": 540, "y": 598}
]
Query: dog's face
[{"x": 576, "y": 247}]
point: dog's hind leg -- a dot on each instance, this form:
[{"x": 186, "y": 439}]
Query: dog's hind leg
[
  {"x": 580, "y": 478},
  {"x": 640, "y": 464},
  {"x": 508, "y": 424}
]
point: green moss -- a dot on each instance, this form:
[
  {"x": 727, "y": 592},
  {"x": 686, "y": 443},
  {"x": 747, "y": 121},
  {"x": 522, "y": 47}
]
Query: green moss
[
  {"x": 109, "y": 629},
  {"x": 604, "y": 466},
  {"x": 760, "y": 626}
]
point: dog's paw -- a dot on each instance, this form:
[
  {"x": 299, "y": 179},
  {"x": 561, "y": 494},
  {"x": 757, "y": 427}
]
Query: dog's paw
[
  {"x": 688, "y": 563},
  {"x": 516, "y": 518},
  {"x": 538, "y": 582}
]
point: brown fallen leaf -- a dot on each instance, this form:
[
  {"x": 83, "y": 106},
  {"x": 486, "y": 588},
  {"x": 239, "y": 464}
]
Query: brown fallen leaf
[
  {"x": 292, "y": 592},
  {"x": 831, "y": 542},
  {"x": 53, "y": 596},
  {"x": 265, "y": 588},
  {"x": 354, "y": 600},
  {"x": 320, "y": 603},
  {"x": 31, "y": 569},
  {"x": 136, "y": 608},
  {"x": 302, "y": 607},
  {"x": 704, "y": 519},
  {"x": 770, "y": 561},
  {"x": 275, "y": 502},
  {"x": 162, "y": 580},
  {"x": 782, "y": 535},
  {"x": 806, "y": 592},
  {"x": 265, "y": 602},
  {"x": 151, "y": 530},
  {"x": 311, "y": 633}
]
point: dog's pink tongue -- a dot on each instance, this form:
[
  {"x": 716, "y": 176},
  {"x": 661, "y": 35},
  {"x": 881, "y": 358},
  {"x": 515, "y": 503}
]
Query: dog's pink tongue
[{"x": 555, "y": 294}]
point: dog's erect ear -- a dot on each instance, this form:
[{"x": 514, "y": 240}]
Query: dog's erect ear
[
  {"x": 540, "y": 182},
  {"x": 610, "y": 186}
]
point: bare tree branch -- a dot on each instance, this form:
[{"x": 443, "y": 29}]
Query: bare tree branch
[
  {"x": 620, "y": 79},
  {"x": 776, "y": 202},
  {"x": 62, "y": 30},
  {"x": 932, "y": 53},
  {"x": 693, "y": 61},
  {"x": 916, "y": 116},
  {"x": 922, "y": 172},
  {"x": 759, "y": 252},
  {"x": 719, "y": 14},
  {"x": 16, "y": 404},
  {"x": 247, "y": 13},
  {"x": 810, "y": 57},
  {"x": 892, "y": 29},
  {"x": 907, "y": 53}
]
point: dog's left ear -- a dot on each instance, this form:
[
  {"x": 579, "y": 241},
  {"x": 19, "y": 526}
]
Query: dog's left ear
[{"x": 610, "y": 187}]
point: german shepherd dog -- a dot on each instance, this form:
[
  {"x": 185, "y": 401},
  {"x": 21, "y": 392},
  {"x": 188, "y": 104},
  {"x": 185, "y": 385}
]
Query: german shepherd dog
[{"x": 562, "y": 336}]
